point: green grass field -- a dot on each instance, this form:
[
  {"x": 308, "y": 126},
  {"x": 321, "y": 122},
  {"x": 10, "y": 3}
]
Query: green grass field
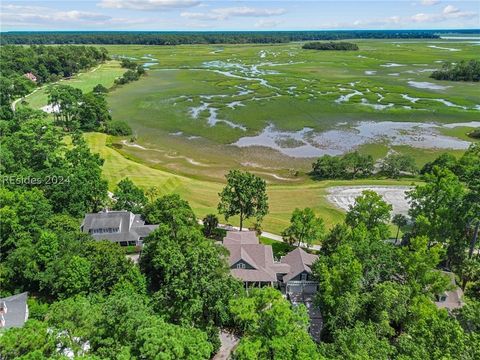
[
  {"x": 104, "y": 74},
  {"x": 203, "y": 194}
]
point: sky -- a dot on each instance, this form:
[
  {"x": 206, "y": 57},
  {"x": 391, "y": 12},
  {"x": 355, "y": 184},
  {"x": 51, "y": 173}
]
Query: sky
[{"x": 203, "y": 15}]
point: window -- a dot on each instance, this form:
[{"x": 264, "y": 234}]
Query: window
[
  {"x": 104, "y": 230},
  {"x": 304, "y": 276},
  {"x": 240, "y": 265}
]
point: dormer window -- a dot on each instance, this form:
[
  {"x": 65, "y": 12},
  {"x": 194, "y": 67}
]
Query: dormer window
[
  {"x": 104, "y": 230},
  {"x": 240, "y": 265}
]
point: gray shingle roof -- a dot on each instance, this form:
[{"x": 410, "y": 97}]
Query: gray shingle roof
[
  {"x": 17, "y": 310},
  {"x": 299, "y": 261},
  {"x": 130, "y": 226},
  {"x": 241, "y": 237},
  {"x": 244, "y": 245},
  {"x": 259, "y": 256}
]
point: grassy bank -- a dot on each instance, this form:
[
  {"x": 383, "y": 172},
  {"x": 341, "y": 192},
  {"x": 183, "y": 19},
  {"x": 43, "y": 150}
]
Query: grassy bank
[
  {"x": 203, "y": 194},
  {"x": 104, "y": 74}
]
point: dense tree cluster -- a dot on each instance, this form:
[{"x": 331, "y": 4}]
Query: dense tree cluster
[
  {"x": 349, "y": 166},
  {"x": 210, "y": 37},
  {"x": 128, "y": 196},
  {"x": 73, "y": 110},
  {"x": 377, "y": 298},
  {"x": 331, "y": 45},
  {"x": 355, "y": 165},
  {"x": 44, "y": 63},
  {"x": 89, "y": 299},
  {"x": 394, "y": 165},
  {"x": 462, "y": 71},
  {"x": 134, "y": 72},
  {"x": 270, "y": 328},
  {"x": 474, "y": 134},
  {"x": 49, "y": 63}
]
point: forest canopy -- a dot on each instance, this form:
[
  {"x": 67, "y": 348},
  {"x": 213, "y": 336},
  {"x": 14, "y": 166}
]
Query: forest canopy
[
  {"x": 462, "y": 71},
  {"x": 25, "y": 68},
  {"x": 331, "y": 45},
  {"x": 207, "y": 37}
]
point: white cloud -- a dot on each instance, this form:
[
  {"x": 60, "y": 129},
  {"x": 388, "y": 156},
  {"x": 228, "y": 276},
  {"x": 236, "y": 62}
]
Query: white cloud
[
  {"x": 43, "y": 14},
  {"x": 421, "y": 17},
  {"x": 226, "y": 13},
  {"x": 267, "y": 23},
  {"x": 11, "y": 7},
  {"x": 199, "y": 16},
  {"x": 429, "y": 2},
  {"x": 148, "y": 4},
  {"x": 377, "y": 22},
  {"x": 79, "y": 15},
  {"x": 448, "y": 12},
  {"x": 450, "y": 9},
  {"x": 37, "y": 17},
  {"x": 247, "y": 11}
]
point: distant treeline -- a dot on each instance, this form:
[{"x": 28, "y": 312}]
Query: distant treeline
[
  {"x": 331, "y": 45},
  {"x": 214, "y": 37},
  {"x": 461, "y": 71}
]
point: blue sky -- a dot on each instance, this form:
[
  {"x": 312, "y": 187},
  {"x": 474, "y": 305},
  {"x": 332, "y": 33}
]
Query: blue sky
[{"x": 237, "y": 15}]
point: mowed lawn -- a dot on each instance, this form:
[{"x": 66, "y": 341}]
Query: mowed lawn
[
  {"x": 203, "y": 195},
  {"x": 104, "y": 74}
]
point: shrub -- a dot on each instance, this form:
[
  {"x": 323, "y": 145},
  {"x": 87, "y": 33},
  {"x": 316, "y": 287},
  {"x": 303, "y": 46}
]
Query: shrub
[
  {"x": 118, "y": 128},
  {"x": 331, "y": 45},
  {"x": 475, "y": 134}
]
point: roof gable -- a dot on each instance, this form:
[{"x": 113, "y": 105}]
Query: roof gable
[
  {"x": 244, "y": 246},
  {"x": 299, "y": 261}
]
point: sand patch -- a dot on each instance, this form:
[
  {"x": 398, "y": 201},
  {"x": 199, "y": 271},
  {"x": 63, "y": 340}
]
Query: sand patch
[{"x": 344, "y": 196}]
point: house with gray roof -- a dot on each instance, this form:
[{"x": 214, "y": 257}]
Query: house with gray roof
[
  {"x": 251, "y": 261},
  {"x": 122, "y": 227},
  {"x": 13, "y": 311},
  {"x": 254, "y": 264},
  {"x": 300, "y": 273}
]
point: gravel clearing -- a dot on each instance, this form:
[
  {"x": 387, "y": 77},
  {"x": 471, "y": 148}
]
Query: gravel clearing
[{"x": 344, "y": 196}]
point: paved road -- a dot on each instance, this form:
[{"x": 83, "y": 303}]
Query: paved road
[
  {"x": 228, "y": 343},
  {"x": 15, "y": 102}
]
